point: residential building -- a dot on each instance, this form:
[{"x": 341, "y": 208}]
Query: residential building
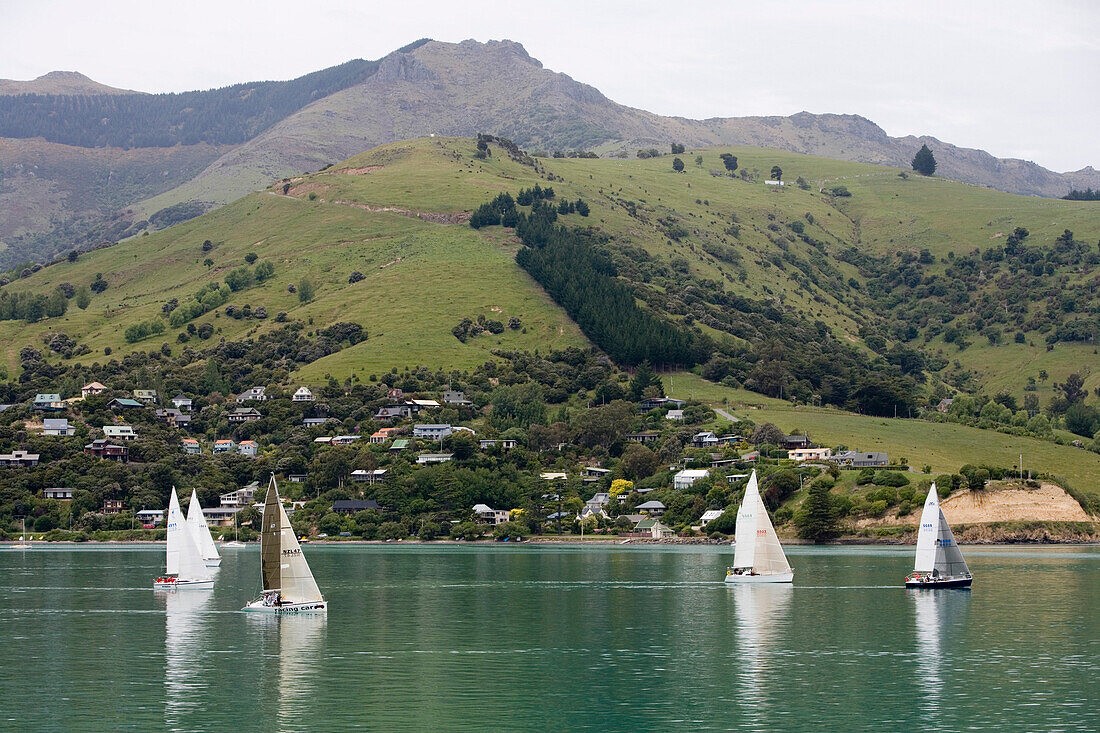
[
  {"x": 57, "y": 426},
  {"x": 351, "y": 506},
  {"x": 123, "y": 403},
  {"x": 60, "y": 494},
  {"x": 191, "y": 446},
  {"x": 149, "y": 518},
  {"x": 686, "y": 478},
  {"x": 456, "y": 398},
  {"x": 256, "y": 394},
  {"x": 148, "y": 396},
  {"x": 244, "y": 414},
  {"x": 345, "y": 439},
  {"x": 653, "y": 403},
  {"x": 119, "y": 432},
  {"x": 242, "y": 497},
  {"x": 599, "y": 499},
  {"x": 296, "y": 478},
  {"x": 595, "y": 473},
  {"x": 705, "y": 439},
  {"x": 432, "y": 432},
  {"x": 393, "y": 412},
  {"x": 505, "y": 443},
  {"x": 424, "y": 458},
  {"x": 709, "y": 516},
  {"x": 106, "y": 450},
  {"x": 647, "y": 437},
  {"x": 182, "y": 403},
  {"x": 248, "y": 447},
  {"x": 48, "y": 401},
  {"x": 311, "y": 421},
  {"x": 303, "y": 394},
  {"x": 795, "y": 442},
  {"x": 486, "y": 515},
  {"x": 394, "y": 393},
  {"x": 770, "y": 182},
  {"x": 553, "y": 476},
  {"x": 735, "y": 477},
  {"x": 593, "y": 511},
  {"x": 400, "y": 444},
  {"x": 653, "y": 507},
  {"x": 223, "y": 446},
  {"x": 417, "y": 405},
  {"x": 19, "y": 458},
  {"x": 377, "y": 476},
  {"x": 674, "y": 415},
  {"x": 113, "y": 506},
  {"x": 654, "y": 529},
  {"x": 381, "y": 435},
  {"x": 92, "y": 388},
  {"x": 810, "y": 454},
  {"x": 945, "y": 404},
  {"x": 861, "y": 459},
  {"x": 220, "y": 516}
]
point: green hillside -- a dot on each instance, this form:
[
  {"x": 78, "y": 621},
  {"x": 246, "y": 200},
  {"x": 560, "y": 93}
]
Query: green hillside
[{"x": 677, "y": 237}]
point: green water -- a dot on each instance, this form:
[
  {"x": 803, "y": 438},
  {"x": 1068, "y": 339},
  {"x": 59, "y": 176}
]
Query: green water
[{"x": 465, "y": 638}]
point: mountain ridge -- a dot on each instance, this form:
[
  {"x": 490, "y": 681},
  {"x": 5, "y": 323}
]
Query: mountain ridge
[{"x": 60, "y": 82}]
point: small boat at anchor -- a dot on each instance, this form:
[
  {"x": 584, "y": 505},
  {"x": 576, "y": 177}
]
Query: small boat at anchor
[
  {"x": 196, "y": 522},
  {"x": 184, "y": 564},
  {"x": 939, "y": 562},
  {"x": 757, "y": 556},
  {"x": 288, "y": 584}
]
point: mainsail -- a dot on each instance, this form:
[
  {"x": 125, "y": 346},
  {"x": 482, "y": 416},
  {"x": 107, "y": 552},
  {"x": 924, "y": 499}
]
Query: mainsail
[
  {"x": 757, "y": 545},
  {"x": 196, "y": 522},
  {"x": 936, "y": 547},
  {"x": 283, "y": 567},
  {"x": 184, "y": 557}
]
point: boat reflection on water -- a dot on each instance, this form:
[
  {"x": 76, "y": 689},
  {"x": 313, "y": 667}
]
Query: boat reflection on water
[
  {"x": 186, "y": 683},
  {"x": 939, "y": 613},
  {"x": 761, "y": 612},
  {"x": 301, "y": 640}
]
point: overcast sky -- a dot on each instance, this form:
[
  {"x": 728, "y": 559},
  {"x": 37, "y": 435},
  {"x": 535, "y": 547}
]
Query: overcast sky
[{"x": 1018, "y": 79}]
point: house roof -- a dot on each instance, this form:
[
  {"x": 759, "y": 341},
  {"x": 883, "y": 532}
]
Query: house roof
[
  {"x": 303, "y": 390},
  {"x": 55, "y": 423},
  {"x": 94, "y": 385},
  {"x": 692, "y": 473},
  {"x": 181, "y": 398},
  {"x": 190, "y": 441},
  {"x": 145, "y": 392},
  {"x": 223, "y": 442},
  {"x": 400, "y": 444},
  {"x": 125, "y": 402},
  {"x": 47, "y": 397},
  {"x": 248, "y": 442},
  {"x": 354, "y": 505},
  {"x": 652, "y": 504},
  {"x": 710, "y": 514},
  {"x": 431, "y": 426}
]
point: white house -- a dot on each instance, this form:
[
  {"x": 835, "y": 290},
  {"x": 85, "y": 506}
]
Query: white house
[
  {"x": 704, "y": 439},
  {"x": 182, "y": 403},
  {"x": 773, "y": 183},
  {"x": 191, "y": 446},
  {"x": 686, "y": 478},
  {"x": 93, "y": 388},
  {"x": 376, "y": 476},
  {"x": 248, "y": 447},
  {"x": 259, "y": 394},
  {"x": 119, "y": 432},
  {"x": 709, "y": 516},
  {"x": 432, "y": 432},
  {"x": 303, "y": 395},
  {"x": 57, "y": 426},
  {"x": 490, "y": 516},
  {"x": 653, "y": 507},
  {"x": 61, "y": 494},
  {"x": 810, "y": 454},
  {"x": 148, "y": 396},
  {"x": 424, "y": 458},
  {"x": 674, "y": 415}
]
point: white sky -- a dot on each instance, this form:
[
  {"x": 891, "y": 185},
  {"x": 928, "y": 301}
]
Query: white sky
[{"x": 1018, "y": 79}]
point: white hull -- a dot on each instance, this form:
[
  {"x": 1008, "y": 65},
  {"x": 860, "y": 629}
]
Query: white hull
[
  {"x": 258, "y": 606},
  {"x": 19, "y": 547},
  {"x": 773, "y": 578},
  {"x": 234, "y": 543},
  {"x": 213, "y": 562},
  {"x": 181, "y": 584}
]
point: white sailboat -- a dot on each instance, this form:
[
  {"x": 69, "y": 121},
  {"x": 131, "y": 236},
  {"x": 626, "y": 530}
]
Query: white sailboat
[
  {"x": 939, "y": 562},
  {"x": 288, "y": 584},
  {"x": 185, "y": 567},
  {"x": 196, "y": 522},
  {"x": 757, "y": 557},
  {"x": 22, "y": 544},
  {"x": 234, "y": 542}
]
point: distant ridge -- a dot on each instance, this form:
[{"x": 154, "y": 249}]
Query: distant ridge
[{"x": 60, "y": 82}]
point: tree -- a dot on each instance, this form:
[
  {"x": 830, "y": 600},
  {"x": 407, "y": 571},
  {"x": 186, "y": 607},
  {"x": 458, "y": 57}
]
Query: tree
[
  {"x": 1073, "y": 388},
  {"x": 730, "y": 161},
  {"x": 924, "y": 162},
  {"x": 264, "y": 272},
  {"x": 638, "y": 462},
  {"x": 73, "y": 255},
  {"x": 777, "y": 173},
  {"x": 83, "y": 297},
  {"x": 816, "y": 519},
  {"x": 644, "y": 377},
  {"x": 768, "y": 433},
  {"x": 306, "y": 290},
  {"x": 677, "y": 165},
  {"x": 251, "y": 257},
  {"x": 677, "y": 149}
]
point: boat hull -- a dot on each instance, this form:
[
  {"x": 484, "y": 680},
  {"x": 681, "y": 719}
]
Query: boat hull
[
  {"x": 258, "y": 606},
  {"x": 174, "y": 584},
  {"x": 213, "y": 562},
  {"x": 938, "y": 583},
  {"x": 773, "y": 578}
]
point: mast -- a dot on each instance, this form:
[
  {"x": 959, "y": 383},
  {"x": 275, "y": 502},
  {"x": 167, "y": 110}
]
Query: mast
[{"x": 196, "y": 522}]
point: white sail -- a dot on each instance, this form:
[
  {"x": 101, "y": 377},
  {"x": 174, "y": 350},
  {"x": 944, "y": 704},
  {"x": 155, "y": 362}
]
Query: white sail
[
  {"x": 184, "y": 559},
  {"x": 283, "y": 567},
  {"x": 196, "y": 522},
  {"x": 757, "y": 544},
  {"x": 936, "y": 546}
]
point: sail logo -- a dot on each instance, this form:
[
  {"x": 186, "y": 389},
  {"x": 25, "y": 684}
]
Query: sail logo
[
  {"x": 761, "y": 532},
  {"x": 292, "y": 552},
  {"x": 926, "y": 525}
]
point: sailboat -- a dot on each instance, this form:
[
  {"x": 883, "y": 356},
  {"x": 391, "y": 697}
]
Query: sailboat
[
  {"x": 235, "y": 542},
  {"x": 757, "y": 556},
  {"x": 185, "y": 567},
  {"x": 22, "y": 545},
  {"x": 196, "y": 522},
  {"x": 288, "y": 584},
  {"x": 939, "y": 562}
]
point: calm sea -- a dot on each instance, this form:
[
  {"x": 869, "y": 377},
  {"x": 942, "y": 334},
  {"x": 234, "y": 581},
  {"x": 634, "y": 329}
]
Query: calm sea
[{"x": 547, "y": 638}]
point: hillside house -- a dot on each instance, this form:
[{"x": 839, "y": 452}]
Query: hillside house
[
  {"x": 770, "y": 182},
  {"x": 113, "y": 506},
  {"x": 303, "y": 394},
  {"x": 244, "y": 414},
  {"x": 596, "y": 473},
  {"x": 654, "y": 529},
  {"x": 709, "y": 516},
  {"x": 653, "y": 403},
  {"x": 686, "y": 478},
  {"x": 147, "y": 396},
  {"x": 57, "y": 426},
  {"x": 647, "y": 437},
  {"x": 149, "y": 518},
  {"x": 705, "y": 439},
  {"x": 351, "y": 506},
  {"x": 296, "y": 478},
  {"x": 252, "y": 394},
  {"x": 248, "y": 447},
  {"x": 182, "y": 403},
  {"x": 416, "y": 406},
  {"x": 553, "y": 476},
  {"x": 593, "y": 511},
  {"x": 861, "y": 459},
  {"x": 426, "y": 458},
  {"x": 400, "y": 444},
  {"x": 60, "y": 494},
  {"x": 456, "y": 398},
  {"x": 796, "y": 442},
  {"x": 119, "y": 432},
  {"x": 392, "y": 412},
  {"x": 345, "y": 439},
  {"x": 393, "y": 393},
  {"x": 431, "y": 431},
  {"x": 19, "y": 459},
  {"x": 174, "y": 417},
  {"x": 242, "y": 497},
  {"x": 191, "y": 446},
  {"x": 381, "y": 435},
  {"x": 485, "y": 515},
  {"x": 599, "y": 499},
  {"x": 945, "y": 405},
  {"x": 674, "y": 415},
  {"x": 810, "y": 454},
  {"x": 653, "y": 507},
  {"x": 504, "y": 443},
  {"x": 311, "y": 421},
  {"x": 92, "y": 388},
  {"x": 48, "y": 401},
  {"x": 108, "y": 451},
  {"x": 362, "y": 476},
  {"x": 223, "y": 446},
  {"x": 124, "y": 403}
]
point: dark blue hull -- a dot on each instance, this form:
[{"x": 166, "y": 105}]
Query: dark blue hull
[{"x": 953, "y": 583}]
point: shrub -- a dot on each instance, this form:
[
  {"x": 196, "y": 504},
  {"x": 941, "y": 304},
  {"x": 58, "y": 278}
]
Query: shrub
[
  {"x": 356, "y": 277},
  {"x": 392, "y": 531}
]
